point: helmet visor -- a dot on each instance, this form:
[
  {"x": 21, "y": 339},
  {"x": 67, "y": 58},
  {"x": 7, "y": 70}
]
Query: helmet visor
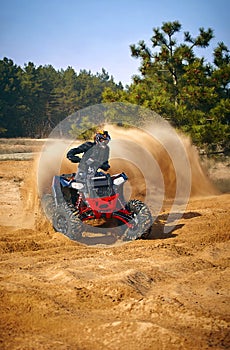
[{"x": 103, "y": 141}]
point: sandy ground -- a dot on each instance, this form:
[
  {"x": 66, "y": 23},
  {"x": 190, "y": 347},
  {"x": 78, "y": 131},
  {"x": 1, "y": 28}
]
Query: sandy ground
[{"x": 168, "y": 292}]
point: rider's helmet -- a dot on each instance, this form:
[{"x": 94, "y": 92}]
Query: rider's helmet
[{"x": 102, "y": 137}]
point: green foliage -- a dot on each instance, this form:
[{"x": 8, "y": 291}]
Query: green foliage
[
  {"x": 192, "y": 94},
  {"x": 11, "y": 110},
  {"x": 33, "y": 100},
  {"x": 85, "y": 130}
]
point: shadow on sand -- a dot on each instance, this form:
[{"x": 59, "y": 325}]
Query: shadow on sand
[
  {"x": 157, "y": 230},
  {"x": 113, "y": 235}
]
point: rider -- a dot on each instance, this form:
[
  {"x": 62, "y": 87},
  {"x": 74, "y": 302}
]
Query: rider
[{"x": 95, "y": 155}]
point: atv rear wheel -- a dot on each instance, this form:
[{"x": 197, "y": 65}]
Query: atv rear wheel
[
  {"x": 142, "y": 220},
  {"x": 67, "y": 222}
]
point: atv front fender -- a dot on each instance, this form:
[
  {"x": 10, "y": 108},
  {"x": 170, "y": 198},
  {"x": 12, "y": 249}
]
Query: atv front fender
[{"x": 56, "y": 190}]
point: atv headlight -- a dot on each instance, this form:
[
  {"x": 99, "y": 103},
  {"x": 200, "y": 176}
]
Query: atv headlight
[
  {"x": 119, "y": 180},
  {"x": 77, "y": 185}
]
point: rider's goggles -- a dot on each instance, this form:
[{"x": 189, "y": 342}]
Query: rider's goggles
[{"x": 106, "y": 141}]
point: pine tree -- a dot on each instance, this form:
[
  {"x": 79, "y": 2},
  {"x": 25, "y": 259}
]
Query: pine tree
[
  {"x": 11, "y": 109},
  {"x": 182, "y": 87}
]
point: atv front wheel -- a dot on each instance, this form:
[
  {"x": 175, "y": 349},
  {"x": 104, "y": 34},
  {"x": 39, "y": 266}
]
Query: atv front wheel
[
  {"x": 142, "y": 220},
  {"x": 67, "y": 221},
  {"x": 48, "y": 205}
]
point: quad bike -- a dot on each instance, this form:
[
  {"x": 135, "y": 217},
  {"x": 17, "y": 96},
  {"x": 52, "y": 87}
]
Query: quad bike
[{"x": 74, "y": 203}]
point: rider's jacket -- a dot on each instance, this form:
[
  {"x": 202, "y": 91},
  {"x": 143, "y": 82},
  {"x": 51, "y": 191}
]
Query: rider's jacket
[{"x": 93, "y": 155}]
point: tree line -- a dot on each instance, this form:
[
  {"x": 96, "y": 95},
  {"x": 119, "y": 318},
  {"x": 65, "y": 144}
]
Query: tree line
[
  {"x": 33, "y": 100},
  {"x": 173, "y": 80}
]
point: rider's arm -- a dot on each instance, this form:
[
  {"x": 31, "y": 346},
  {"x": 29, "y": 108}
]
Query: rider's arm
[
  {"x": 71, "y": 155},
  {"x": 105, "y": 165}
]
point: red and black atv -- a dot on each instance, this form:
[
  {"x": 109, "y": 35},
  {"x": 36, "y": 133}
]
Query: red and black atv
[{"x": 74, "y": 203}]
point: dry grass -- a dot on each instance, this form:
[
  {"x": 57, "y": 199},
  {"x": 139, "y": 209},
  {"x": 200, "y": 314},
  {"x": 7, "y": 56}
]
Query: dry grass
[
  {"x": 218, "y": 170},
  {"x": 20, "y": 145}
]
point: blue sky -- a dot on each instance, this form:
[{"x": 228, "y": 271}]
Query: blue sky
[{"x": 96, "y": 34}]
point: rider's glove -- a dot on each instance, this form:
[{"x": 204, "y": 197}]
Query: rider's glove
[
  {"x": 74, "y": 159},
  {"x": 105, "y": 167}
]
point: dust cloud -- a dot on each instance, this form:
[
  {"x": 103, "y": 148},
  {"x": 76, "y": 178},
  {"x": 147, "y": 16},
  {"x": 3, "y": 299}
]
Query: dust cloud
[
  {"x": 142, "y": 143},
  {"x": 140, "y": 155},
  {"x": 157, "y": 164}
]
